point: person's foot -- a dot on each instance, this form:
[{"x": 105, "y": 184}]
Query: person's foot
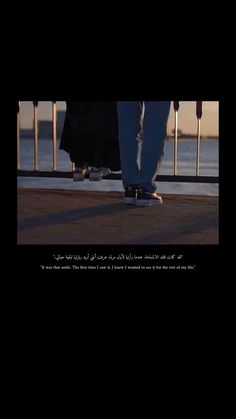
[
  {"x": 148, "y": 199},
  {"x": 130, "y": 195},
  {"x": 98, "y": 173},
  {"x": 80, "y": 173}
]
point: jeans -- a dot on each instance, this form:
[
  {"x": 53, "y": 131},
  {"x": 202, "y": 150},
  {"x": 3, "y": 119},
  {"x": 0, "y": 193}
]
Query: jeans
[{"x": 142, "y": 134}]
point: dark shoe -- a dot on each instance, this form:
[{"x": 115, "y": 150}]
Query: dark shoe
[
  {"x": 148, "y": 199},
  {"x": 130, "y": 195},
  {"x": 97, "y": 174},
  {"x": 80, "y": 173}
]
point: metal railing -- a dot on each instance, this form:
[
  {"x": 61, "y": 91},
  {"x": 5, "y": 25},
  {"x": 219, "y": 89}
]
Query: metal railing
[{"x": 197, "y": 178}]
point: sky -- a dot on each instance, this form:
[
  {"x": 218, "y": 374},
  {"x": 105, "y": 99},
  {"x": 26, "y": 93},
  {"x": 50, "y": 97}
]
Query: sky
[{"x": 187, "y": 116}]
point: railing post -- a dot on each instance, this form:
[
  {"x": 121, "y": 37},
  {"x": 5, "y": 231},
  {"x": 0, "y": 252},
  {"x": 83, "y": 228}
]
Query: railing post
[
  {"x": 176, "y": 108},
  {"x": 18, "y": 134},
  {"x": 36, "y": 137},
  {"x": 54, "y": 134},
  {"x": 199, "y": 115}
]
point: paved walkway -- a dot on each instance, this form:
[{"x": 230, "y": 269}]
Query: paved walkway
[{"x": 81, "y": 217}]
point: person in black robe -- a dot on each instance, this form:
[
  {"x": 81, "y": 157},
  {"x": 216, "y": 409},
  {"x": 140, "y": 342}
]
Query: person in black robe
[{"x": 90, "y": 136}]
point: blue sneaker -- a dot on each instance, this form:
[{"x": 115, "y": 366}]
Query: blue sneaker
[
  {"x": 130, "y": 195},
  {"x": 148, "y": 199}
]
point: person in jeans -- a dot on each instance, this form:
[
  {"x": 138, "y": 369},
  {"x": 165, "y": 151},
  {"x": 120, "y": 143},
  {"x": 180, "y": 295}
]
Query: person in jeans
[
  {"x": 142, "y": 134},
  {"x": 90, "y": 136}
]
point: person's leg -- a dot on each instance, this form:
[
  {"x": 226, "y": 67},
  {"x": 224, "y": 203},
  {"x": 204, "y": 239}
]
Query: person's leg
[
  {"x": 130, "y": 124},
  {"x": 154, "y": 135}
]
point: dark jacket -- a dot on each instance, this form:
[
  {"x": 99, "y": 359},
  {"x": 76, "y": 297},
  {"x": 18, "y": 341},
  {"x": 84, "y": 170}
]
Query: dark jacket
[{"x": 90, "y": 134}]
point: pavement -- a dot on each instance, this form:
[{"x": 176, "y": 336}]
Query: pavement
[{"x": 51, "y": 216}]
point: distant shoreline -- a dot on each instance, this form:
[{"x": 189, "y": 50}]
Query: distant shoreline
[
  {"x": 192, "y": 137},
  {"x": 169, "y": 137}
]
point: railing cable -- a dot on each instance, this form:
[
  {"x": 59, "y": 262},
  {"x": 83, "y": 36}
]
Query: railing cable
[
  {"x": 36, "y": 137},
  {"x": 54, "y": 134},
  {"x": 199, "y": 116},
  {"x": 18, "y": 134},
  {"x": 176, "y": 108}
]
